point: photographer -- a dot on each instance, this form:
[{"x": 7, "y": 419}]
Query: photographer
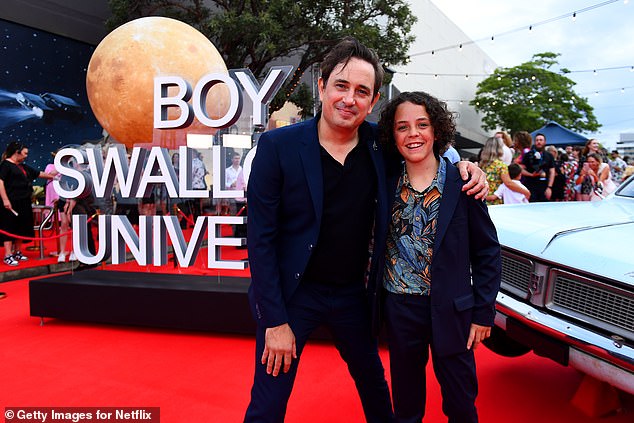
[{"x": 538, "y": 170}]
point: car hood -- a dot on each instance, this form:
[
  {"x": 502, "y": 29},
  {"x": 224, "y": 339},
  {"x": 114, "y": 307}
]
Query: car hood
[{"x": 594, "y": 237}]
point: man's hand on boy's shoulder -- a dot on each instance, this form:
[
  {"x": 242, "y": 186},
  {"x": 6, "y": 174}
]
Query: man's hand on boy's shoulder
[{"x": 476, "y": 183}]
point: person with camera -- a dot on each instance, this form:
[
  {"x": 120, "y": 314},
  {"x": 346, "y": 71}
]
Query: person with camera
[{"x": 538, "y": 170}]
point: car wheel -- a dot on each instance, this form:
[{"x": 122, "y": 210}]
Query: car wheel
[{"x": 501, "y": 344}]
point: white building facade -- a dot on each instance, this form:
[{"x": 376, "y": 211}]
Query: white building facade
[
  {"x": 444, "y": 73},
  {"x": 625, "y": 146}
]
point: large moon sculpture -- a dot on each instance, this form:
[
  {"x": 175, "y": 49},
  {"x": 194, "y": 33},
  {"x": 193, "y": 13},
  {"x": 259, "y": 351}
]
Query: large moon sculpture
[{"x": 120, "y": 78}]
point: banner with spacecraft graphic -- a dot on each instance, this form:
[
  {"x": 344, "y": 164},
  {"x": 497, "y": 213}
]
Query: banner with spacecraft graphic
[{"x": 43, "y": 100}]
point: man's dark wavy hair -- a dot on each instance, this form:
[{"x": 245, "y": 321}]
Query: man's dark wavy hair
[
  {"x": 346, "y": 49},
  {"x": 441, "y": 119}
]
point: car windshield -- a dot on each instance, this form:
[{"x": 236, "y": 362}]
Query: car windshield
[{"x": 627, "y": 189}]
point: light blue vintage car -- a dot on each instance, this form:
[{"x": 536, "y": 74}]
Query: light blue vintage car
[{"x": 568, "y": 284}]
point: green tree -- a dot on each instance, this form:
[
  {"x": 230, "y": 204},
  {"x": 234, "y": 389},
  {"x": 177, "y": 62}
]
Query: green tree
[
  {"x": 526, "y": 97},
  {"x": 259, "y": 33}
]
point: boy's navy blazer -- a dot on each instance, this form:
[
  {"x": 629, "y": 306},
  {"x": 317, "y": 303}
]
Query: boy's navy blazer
[
  {"x": 466, "y": 264},
  {"x": 285, "y": 200}
]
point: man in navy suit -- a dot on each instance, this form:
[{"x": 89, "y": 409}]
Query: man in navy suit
[
  {"x": 442, "y": 267},
  {"x": 316, "y": 190}
]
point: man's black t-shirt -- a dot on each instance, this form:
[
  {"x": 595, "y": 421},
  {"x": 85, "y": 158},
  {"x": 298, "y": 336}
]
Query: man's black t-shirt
[{"x": 341, "y": 254}]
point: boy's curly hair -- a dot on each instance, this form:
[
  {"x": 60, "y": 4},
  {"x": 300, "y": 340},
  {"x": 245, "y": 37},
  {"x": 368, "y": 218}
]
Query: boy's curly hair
[{"x": 441, "y": 119}]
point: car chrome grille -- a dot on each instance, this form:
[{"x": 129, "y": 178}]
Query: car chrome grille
[
  {"x": 516, "y": 274},
  {"x": 591, "y": 301}
]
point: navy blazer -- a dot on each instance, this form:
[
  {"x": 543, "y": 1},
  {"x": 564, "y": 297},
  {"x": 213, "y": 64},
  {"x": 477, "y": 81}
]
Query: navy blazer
[
  {"x": 285, "y": 199},
  {"x": 466, "y": 264}
]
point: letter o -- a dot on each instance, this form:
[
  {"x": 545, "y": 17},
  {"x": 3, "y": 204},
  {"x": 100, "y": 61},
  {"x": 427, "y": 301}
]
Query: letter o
[{"x": 199, "y": 99}]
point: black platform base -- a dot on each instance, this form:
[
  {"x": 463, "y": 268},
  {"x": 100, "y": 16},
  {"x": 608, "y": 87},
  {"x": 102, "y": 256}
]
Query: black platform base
[{"x": 146, "y": 299}]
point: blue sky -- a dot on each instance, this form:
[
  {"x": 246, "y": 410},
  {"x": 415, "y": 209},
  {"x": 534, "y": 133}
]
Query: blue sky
[{"x": 602, "y": 37}]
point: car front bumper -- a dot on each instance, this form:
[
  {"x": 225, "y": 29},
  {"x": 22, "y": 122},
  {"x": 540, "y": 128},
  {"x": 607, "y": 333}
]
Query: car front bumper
[{"x": 604, "y": 358}]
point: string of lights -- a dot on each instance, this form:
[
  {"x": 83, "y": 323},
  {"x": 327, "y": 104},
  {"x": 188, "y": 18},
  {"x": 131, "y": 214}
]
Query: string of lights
[
  {"x": 622, "y": 90},
  {"x": 530, "y": 28},
  {"x": 613, "y": 93},
  {"x": 611, "y": 90},
  {"x": 596, "y": 71},
  {"x": 484, "y": 75}
]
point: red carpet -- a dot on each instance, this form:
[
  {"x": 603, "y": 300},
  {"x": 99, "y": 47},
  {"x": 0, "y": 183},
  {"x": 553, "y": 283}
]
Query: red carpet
[{"x": 203, "y": 377}]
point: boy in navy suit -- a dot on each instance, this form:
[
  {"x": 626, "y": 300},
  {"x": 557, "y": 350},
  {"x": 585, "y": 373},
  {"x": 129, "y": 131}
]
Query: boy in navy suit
[{"x": 442, "y": 263}]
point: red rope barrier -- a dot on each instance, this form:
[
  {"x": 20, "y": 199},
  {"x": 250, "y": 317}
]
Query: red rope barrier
[
  {"x": 190, "y": 221},
  {"x": 28, "y": 238}
]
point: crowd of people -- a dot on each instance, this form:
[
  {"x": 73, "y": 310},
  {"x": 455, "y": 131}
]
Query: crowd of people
[{"x": 548, "y": 173}]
